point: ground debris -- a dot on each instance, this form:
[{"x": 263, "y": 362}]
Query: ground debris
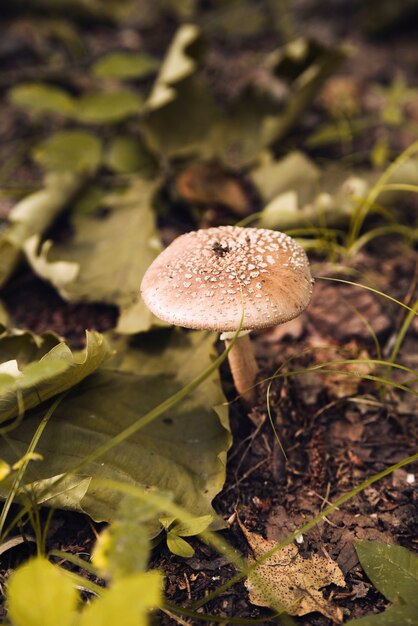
[{"x": 345, "y": 311}]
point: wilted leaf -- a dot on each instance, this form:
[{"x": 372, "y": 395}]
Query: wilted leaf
[
  {"x": 111, "y": 254},
  {"x": 183, "y": 451},
  {"x": 59, "y": 273},
  {"x": 9, "y": 370},
  {"x": 295, "y": 172},
  {"x": 33, "y": 215},
  {"x": 24, "y": 346},
  {"x": 68, "y": 151},
  {"x": 43, "y": 98},
  {"x": 40, "y": 594},
  {"x": 58, "y": 370},
  {"x": 125, "y": 65},
  {"x": 178, "y": 64},
  {"x": 288, "y": 580},
  {"x": 127, "y": 602},
  {"x": 107, "y": 108},
  {"x": 183, "y": 116}
]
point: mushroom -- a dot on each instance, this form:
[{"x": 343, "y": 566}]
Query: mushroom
[{"x": 229, "y": 278}]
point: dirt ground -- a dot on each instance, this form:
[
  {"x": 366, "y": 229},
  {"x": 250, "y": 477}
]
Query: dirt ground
[{"x": 336, "y": 430}]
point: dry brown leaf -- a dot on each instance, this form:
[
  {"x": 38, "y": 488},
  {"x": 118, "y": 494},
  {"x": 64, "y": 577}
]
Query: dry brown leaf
[
  {"x": 290, "y": 581},
  {"x": 209, "y": 184}
]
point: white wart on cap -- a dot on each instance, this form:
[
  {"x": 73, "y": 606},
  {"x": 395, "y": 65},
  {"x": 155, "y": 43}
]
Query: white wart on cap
[{"x": 206, "y": 278}]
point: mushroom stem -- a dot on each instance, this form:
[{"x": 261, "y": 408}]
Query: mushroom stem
[{"x": 243, "y": 367}]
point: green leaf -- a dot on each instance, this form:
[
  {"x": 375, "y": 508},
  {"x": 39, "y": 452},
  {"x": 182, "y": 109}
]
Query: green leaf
[
  {"x": 40, "y": 594},
  {"x": 66, "y": 494},
  {"x": 126, "y": 603},
  {"x": 107, "y": 257},
  {"x": 57, "y": 371},
  {"x": 69, "y": 150},
  {"x": 179, "y": 546},
  {"x": 107, "y": 108},
  {"x": 43, "y": 98},
  {"x": 183, "y": 451},
  {"x": 405, "y": 615},
  {"x": 125, "y": 65},
  {"x": 392, "y": 569},
  {"x": 191, "y": 527}
]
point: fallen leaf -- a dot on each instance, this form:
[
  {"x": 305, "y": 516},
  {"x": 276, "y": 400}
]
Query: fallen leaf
[
  {"x": 183, "y": 116},
  {"x": 295, "y": 172},
  {"x": 34, "y": 214},
  {"x": 183, "y": 451},
  {"x": 56, "y": 371},
  {"x": 107, "y": 256},
  {"x": 209, "y": 184},
  {"x": 288, "y": 580}
]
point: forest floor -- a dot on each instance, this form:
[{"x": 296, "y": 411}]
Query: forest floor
[{"x": 336, "y": 430}]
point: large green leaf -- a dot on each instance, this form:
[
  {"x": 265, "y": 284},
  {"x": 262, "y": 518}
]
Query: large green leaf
[
  {"x": 56, "y": 371},
  {"x": 34, "y": 214},
  {"x": 107, "y": 256},
  {"x": 182, "y": 451}
]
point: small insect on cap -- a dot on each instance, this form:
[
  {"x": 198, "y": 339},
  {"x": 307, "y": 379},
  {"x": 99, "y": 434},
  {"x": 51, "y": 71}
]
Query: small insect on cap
[{"x": 206, "y": 279}]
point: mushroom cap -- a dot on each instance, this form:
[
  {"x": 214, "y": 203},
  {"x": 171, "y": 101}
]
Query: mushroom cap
[{"x": 209, "y": 278}]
